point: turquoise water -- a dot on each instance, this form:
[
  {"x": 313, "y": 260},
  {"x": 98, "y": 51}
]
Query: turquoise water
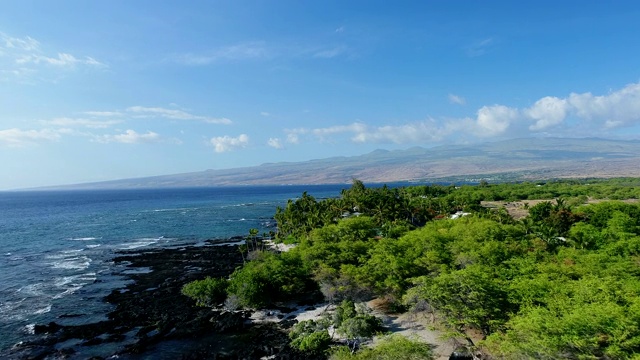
[{"x": 55, "y": 247}]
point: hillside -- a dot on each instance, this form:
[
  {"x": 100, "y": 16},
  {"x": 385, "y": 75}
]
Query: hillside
[{"x": 516, "y": 159}]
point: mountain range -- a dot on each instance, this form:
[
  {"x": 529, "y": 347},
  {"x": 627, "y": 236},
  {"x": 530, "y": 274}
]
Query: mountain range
[{"x": 508, "y": 160}]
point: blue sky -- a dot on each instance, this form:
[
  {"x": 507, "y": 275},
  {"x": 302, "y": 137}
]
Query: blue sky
[{"x": 100, "y": 90}]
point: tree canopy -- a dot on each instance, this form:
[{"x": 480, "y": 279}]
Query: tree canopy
[{"x": 562, "y": 283}]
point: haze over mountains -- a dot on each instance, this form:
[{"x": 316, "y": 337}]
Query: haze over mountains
[{"x": 517, "y": 159}]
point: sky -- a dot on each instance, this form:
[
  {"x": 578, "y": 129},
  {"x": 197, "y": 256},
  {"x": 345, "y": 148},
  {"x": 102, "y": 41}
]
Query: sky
[{"x": 101, "y": 90}]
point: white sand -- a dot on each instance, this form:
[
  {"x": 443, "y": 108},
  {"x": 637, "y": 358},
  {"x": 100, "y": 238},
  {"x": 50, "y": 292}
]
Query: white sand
[
  {"x": 300, "y": 314},
  {"x": 278, "y": 246}
]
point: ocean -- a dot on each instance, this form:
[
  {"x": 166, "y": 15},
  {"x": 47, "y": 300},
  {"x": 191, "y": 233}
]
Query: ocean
[{"x": 56, "y": 246}]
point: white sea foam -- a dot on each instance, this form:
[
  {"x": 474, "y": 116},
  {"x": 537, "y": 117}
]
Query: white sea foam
[
  {"x": 83, "y": 239},
  {"x": 93, "y": 246},
  {"x": 64, "y": 254},
  {"x": 72, "y": 263},
  {"x": 69, "y": 291},
  {"x": 10, "y": 310},
  {"x": 138, "y": 243},
  {"x": 33, "y": 289},
  {"x": 178, "y": 209},
  {"x": 30, "y": 329},
  {"x": 44, "y": 310},
  {"x": 62, "y": 281},
  {"x": 241, "y": 242},
  {"x": 142, "y": 270},
  {"x": 72, "y": 251},
  {"x": 8, "y": 306},
  {"x": 80, "y": 279}
]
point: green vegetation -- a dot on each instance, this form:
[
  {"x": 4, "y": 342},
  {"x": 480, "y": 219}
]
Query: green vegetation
[
  {"x": 562, "y": 283},
  {"x": 393, "y": 347},
  {"x": 207, "y": 292},
  {"x": 353, "y": 322},
  {"x": 310, "y": 336},
  {"x": 269, "y": 278}
]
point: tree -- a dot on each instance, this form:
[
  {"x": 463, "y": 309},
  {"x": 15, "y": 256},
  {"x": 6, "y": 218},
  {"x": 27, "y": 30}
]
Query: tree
[
  {"x": 207, "y": 292},
  {"x": 268, "y": 278},
  {"x": 472, "y": 296}
]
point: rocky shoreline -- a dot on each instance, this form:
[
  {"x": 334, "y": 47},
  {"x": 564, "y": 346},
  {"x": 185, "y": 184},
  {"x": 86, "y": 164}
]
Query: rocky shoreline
[{"x": 152, "y": 319}]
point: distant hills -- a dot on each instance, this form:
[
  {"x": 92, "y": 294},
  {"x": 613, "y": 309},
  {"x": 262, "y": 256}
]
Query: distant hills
[{"x": 517, "y": 159}]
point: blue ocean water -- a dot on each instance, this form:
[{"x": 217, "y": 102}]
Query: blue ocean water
[{"x": 55, "y": 247}]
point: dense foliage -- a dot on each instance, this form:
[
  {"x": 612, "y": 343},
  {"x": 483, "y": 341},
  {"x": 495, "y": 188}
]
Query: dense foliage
[
  {"x": 269, "y": 278},
  {"x": 395, "y": 347},
  {"x": 207, "y": 292},
  {"x": 562, "y": 283}
]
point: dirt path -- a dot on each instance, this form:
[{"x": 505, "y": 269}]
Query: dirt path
[{"x": 417, "y": 327}]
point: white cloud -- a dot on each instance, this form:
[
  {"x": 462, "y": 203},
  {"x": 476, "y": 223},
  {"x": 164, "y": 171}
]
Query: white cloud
[
  {"x": 610, "y": 124},
  {"x": 330, "y": 52},
  {"x": 174, "y": 114},
  {"x": 275, "y": 143},
  {"x": 88, "y": 123},
  {"x": 243, "y": 51},
  {"x": 361, "y": 133},
  {"x": 62, "y": 60},
  {"x": 589, "y": 114},
  {"x": 130, "y": 137},
  {"x": 25, "y": 56},
  {"x": 340, "y": 29},
  {"x": 353, "y": 128},
  {"x": 264, "y": 113},
  {"x": 455, "y": 99},
  {"x": 619, "y": 106},
  {"x": 106, "y": 119},
  {"x": 494, "y": 120},
  {"x": 260, "y": 50},
  {"x": 480, "y": 47},
  {"x": 293, "y": 138},
  {"x": 227, "y": 143},
  {"x": 27, "y": 43},
  {"x": 546, "y": 112},
  {"x": 104, "y": 113},
  {"x": 412, "y": 133},
  {"x": 18, "y": 138},
  {"x": 616, "y": 109}
]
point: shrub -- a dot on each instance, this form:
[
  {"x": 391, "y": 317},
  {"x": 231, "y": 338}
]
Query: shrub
[
  {"x": 269, "y": 278},
  {"x": 394, "y": 347},
  {"x": 207, "y": 292},
  {"x": 310, "y": 336}
]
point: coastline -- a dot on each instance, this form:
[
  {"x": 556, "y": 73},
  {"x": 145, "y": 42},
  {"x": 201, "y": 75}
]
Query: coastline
[{"x": 152, "y": 318}]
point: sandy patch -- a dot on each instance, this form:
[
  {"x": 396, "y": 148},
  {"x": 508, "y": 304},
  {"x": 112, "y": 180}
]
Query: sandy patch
[
  {"x": 300, "y": 313},
  {"x": 278, "y": 246},
  {"x": 519, "y": 209},
  {"x": 412, "y": 326},
  {"x": 415, "y": 326}
]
